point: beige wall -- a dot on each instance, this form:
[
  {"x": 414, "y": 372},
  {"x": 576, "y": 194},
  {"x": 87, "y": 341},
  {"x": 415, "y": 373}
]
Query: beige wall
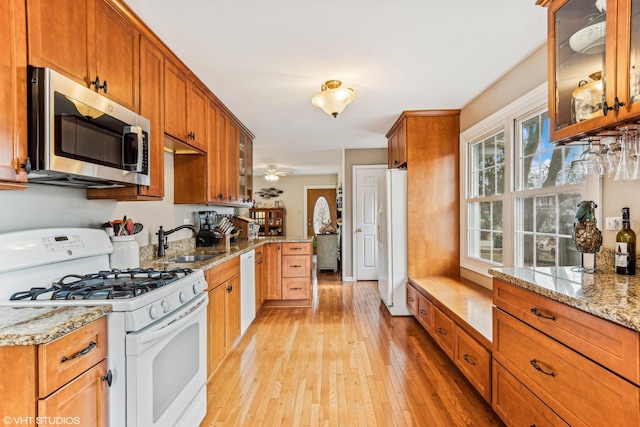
[
  {"x": 373, "y": 156},
  {"x": 293, "y": 197}
]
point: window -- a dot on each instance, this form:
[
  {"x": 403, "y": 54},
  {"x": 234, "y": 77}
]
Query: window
[
  {"x": 321, "y": 214},
  {"x": 520, "y": 191}
]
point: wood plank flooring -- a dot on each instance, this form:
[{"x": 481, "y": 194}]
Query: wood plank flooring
[{"x": 342, "y": 362}]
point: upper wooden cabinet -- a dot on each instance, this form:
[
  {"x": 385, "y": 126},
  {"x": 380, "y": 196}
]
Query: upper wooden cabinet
[
  {"x": 13, "y": 95},
  {"x": 185, "y": 107},
  {"x": 152, "y": 108},
  {"x": 433, "y": 185},
  {"x": 245, "y": 168},
  {"x": 398, "y": 145},
  {"x": 594, "y": 83},
  {"x": 90, "y": 42}
]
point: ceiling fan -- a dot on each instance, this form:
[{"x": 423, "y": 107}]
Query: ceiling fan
[{"x": 272, "y": 173}]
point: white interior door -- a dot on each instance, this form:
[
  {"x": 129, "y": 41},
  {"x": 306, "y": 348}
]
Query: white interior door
[{"x": 365, "y": 223}]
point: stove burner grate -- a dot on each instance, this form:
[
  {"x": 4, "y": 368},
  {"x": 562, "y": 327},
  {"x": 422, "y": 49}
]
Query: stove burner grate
[{"x": 113, "y": 284}]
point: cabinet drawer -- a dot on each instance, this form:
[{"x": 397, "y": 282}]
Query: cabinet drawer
[
  {"x": 425, "y": 313},
  {"x": 577, "y": 389},
  {"x": 296, "y": 249},
  {"x": 296, "y": 288},
  {"x": 443, "y": 330},
  {"x": 63, "y": 359},
  {"x": 474, "y": 361},
  {"x": 609, "y": 344},
  {"x": 296, "y": 266},
  {"x": 516, "y": 405},
  {"x": 412, "y": 300},
  {"x": 222, "y": 272}
]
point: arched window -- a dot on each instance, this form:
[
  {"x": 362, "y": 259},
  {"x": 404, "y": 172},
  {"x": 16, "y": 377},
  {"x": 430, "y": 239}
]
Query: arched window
[{"x": 321, "y": 214}]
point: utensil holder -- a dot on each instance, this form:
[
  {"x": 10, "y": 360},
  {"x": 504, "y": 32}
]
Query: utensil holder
[{"x": 126, "y": 252}]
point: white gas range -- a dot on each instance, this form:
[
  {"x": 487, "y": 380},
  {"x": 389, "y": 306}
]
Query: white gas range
[{"x": 157, "y": 330}]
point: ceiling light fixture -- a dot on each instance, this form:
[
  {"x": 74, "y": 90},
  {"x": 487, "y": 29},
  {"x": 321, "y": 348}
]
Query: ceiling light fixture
[
  {"x": 272, "y": 177},
  {"x": 332, "y": 98}
]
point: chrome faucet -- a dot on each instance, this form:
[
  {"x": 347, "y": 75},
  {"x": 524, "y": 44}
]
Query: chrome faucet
[{"x": 162, "y": 237}]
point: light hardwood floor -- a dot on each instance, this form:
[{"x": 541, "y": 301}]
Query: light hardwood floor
[{"x": 342, "y": 362}]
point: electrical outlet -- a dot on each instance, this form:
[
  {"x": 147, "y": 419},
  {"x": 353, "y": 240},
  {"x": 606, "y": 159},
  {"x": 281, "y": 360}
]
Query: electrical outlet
[{"x": 613, "y": 222}]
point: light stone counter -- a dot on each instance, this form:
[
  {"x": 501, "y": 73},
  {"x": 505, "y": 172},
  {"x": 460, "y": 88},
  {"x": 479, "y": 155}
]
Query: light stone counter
[
  {"x": 187, "y": 247},
  {"x": 39, "y": 325},
  {"x": 606, "y": 295}
]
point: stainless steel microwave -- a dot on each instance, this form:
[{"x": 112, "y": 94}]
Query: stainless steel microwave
[{"x": 78, "y": 137}]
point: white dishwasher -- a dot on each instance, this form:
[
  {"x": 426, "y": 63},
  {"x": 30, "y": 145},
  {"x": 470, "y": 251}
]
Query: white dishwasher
[{"x": 247, "y": 289}]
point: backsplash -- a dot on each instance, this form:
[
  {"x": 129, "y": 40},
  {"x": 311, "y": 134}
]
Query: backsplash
[{"x": 148, "y": 253}]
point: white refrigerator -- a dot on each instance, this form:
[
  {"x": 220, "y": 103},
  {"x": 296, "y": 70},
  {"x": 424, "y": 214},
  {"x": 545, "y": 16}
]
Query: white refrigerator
[{"x": 392, "y": 240}]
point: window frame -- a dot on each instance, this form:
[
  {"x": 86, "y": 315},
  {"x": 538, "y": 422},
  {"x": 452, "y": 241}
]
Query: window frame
[{"x": 504, "y": 120}]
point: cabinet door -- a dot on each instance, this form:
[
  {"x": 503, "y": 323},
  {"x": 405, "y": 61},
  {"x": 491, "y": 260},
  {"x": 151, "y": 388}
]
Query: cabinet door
[
  {"x": 425, "y": 313},
  {"x": 232, "y": 160},
  {"x": 272, "y": 267},
  {"x": 64, "y": 48},
  {"x": 398, "y": 147},
  {"x": 152, "y": 108},
  {"x": 85, "y": 399},
  {"x": 13, "y": 95},
  {"x": 116, "y": 51},
  {"x": 175, "y": 101},
  {"x": 232, "y": 310},
  {"x": 628, "y": 57},
  {"x": 412, "y": 299},
  {"x": 582, "y": 68},
  {"x": 197, "y": 117},
  {"x": 216, "y": 347},
  {"x": 474, "y": 361},
  {"x": 222, "y": 157},
  {"x": 443, "y": 331}
]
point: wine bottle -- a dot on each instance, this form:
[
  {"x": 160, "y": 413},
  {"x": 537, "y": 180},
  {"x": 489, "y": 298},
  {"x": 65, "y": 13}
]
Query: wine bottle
[{"x": 626, "y": 247}]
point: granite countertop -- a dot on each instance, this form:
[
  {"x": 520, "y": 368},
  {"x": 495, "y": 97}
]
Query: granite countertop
[
  {"x": 606, "y": 295},
  {"x": 40, "y": 325},
  {"x": 221, "y": 256}
]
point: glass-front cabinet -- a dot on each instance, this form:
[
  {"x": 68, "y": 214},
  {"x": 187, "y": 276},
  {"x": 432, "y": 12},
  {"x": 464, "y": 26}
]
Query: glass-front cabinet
[
  {"x": 593, "y": 85},
  {"x": 245, "y": 192}
]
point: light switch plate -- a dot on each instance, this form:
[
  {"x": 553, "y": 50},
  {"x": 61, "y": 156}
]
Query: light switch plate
[{"x": 613, "y": 222}]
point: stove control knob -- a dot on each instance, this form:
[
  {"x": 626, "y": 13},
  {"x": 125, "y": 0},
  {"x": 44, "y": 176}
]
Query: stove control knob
[
  {"x": 183, "y": 296},
  {"x": 166, "y": 307},
  {"x": 198, "y": 287},
  {"x": 154, "y": 312}
]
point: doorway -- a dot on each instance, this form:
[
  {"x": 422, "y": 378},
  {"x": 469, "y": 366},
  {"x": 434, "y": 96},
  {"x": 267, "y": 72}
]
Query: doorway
[{"x": 321, "y": 209}]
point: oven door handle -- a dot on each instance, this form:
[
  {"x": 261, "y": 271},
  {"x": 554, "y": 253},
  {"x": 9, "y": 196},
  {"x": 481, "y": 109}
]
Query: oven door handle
[
  {"x": 136, "y": 131},
  {"x": 178, "y": 321}
]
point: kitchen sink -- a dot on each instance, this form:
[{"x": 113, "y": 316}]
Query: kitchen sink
[{"x": 191, "y": 258}]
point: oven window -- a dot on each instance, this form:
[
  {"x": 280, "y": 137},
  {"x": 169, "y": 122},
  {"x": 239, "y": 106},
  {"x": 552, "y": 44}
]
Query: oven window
[
  {"x": 174, "y": 367},
  {"x": 86, "y": 134}
]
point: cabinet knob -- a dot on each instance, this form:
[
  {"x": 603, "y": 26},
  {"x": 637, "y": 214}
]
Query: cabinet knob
[
  {"x": 97, "y": 84},
  {"x": 26, "y": 165},
  {"x": 108, "y": 378}
]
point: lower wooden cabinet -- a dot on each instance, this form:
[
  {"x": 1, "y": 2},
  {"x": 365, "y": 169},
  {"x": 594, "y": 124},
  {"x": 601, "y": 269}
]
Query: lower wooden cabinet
[
  {"x": 259, "y": 272},
  {"x": 223, "y": 311},
  {"x": 443, "y": 330},
  {"x": 66, "y": 377},
  {"x": 474, "y": 361},
  {"x": 287, "y": 273}
]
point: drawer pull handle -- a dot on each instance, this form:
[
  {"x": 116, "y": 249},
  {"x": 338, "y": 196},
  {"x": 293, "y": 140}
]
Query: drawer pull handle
[
  {"x": 441, "y": 331},
  {"x": 537, "y": 367},
  {"x": 297, "y": 248},
  {"x": 410, "y": 299},
  {"x": 296, "y": 266},
  {"x": 108, "y": 378},
  {"x": 537, "y": 313},
  {"x": 422, "y": 312},
  {"x": 296, "y": 289},
  {"x": 469, "y": 361},
  {"x": 82, "y": 352}
]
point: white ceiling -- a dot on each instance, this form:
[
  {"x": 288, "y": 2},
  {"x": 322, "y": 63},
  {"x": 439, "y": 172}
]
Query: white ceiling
[{"x": 266, "y": 59}]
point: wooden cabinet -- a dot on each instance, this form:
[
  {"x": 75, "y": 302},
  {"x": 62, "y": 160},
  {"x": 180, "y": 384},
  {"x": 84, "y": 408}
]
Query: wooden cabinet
[
  {"x": 272, "y": 279},
  {"x": 593, "y": 75},
  {"x": 327, "y": 251},
  {"x": 458, "y": 317},
  {"x": 223, "y": 311},
  {"x": 185, "y": 117},
  {"x": 96, "y": 46},
  {"x": 13, "y": 95},
  {"x": 432, "y": 157},
  {"x": 245, "y": 168},
  {"x": 151, "y": 107},
  {"x": 67, "y": 377},
  {"x": 271, "y": 221},
  {"x": 536, "y": 347},
  {"x": 397, "y": 146},
  {"x": 259, "y": 272}
]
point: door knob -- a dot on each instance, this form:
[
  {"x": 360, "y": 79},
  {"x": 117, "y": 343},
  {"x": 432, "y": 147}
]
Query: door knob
[{"x": 359, "y": 230}]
